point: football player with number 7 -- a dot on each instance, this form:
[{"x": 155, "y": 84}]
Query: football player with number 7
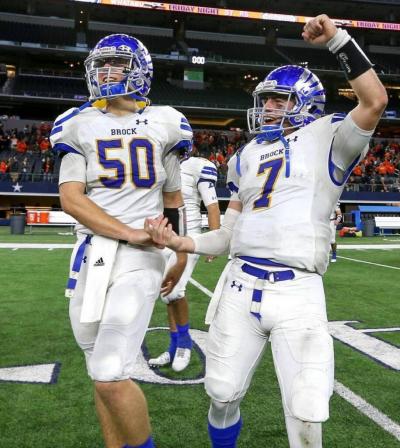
[
  {"x": 284, "y": 184},
  {"x": 120, "y": 165}
]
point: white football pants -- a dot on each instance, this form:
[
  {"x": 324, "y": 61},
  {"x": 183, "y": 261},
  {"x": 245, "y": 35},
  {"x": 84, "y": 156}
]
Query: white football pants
[
  {"x": 293, "y": 318},
  {"x": 111, "y": 346}
]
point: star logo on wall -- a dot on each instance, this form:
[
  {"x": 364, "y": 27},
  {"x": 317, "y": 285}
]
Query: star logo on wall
[{"x": 17, "y": 188}]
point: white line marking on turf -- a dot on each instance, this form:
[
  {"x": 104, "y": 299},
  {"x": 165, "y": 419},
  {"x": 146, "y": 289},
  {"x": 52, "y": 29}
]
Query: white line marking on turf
[
  {"x": 70, "y": 246},
  {"x": 15, "y": 246},
  {"x": 370, "y": 411},
  {"x": 369, "y": 246},
  {"x": 360, "y": 404},
  {"x": 379, "y": 330},
  {"x": 206, "y": 291},
  {"x": 369, "y": 262},
  {"x": 40, "y": 373}
]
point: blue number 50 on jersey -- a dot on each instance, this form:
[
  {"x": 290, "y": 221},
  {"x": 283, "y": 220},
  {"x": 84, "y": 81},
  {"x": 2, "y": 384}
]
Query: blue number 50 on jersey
[{"x": 143, "y": 174}]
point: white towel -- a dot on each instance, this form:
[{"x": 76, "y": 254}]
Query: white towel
[
  {"x": 216, "y": 297},
  {"x": 100, "y": 263}
]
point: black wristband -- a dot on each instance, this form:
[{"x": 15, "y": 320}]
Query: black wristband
[
  {"x": 177, "y": 218},
  {"x": 352, "y": 60}
]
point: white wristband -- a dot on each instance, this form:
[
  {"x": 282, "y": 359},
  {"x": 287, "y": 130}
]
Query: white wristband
[{"x": 338, "y": 40}]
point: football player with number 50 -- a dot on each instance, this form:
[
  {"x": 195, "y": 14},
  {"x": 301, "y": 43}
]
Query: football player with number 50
[{"x": 120, "y": 165}]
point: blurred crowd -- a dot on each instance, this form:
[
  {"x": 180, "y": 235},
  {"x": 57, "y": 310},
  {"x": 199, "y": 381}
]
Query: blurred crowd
[
  {"x": 218, "y": 147},
  {"x": 379, "y": 170},
  {"x": 26, "y": 155}
]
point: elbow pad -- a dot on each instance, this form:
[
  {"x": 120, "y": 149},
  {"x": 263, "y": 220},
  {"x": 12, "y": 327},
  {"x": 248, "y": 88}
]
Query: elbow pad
[
  {"x": 216, "y": 242},
  {"x": 177, "y": 218}
]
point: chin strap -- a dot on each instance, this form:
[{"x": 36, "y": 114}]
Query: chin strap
[
  {"x": 119, "y": 90},
  {"x": 270, "y": 132}
]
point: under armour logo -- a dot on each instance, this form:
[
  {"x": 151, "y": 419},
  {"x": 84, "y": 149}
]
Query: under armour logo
[
  {"x": 99, "y": 262},
  {"x": 292, "y": 139},
  {"x": 84, "y": 259},
  {"x": 239, "y": 286},
  {"x": 145, "y": 121}
]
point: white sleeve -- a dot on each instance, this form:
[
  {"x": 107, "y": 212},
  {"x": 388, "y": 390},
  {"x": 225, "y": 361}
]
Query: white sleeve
[
  {"x": 72, "y": 169},
  {"x": 207, "y": 193},
  {"x": 172, "y": 168},
  {"x": 217, "y": 242},
  {"x": 349, "y": 143}
]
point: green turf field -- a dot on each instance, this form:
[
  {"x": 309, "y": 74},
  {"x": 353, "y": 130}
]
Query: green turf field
[{"x": 34, "y": 329}]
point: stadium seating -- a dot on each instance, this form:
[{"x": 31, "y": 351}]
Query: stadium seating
[
  {"x": 237, "y": 51},
  {"x": 50, "y": 87},
  {"x": 164, "y": 93},
  {"x": 26, "y": 32},
  {"x": 155, "y": 44}
]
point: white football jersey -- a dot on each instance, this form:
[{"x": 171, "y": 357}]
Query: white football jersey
[
  {"x": 130, "y": 159},
  {"x": 196, "y": 171},
  {"x": 287, "y": 201}
]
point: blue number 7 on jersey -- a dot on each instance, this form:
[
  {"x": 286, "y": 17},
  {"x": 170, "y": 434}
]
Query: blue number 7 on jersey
[{"x": 273, "y": 168}]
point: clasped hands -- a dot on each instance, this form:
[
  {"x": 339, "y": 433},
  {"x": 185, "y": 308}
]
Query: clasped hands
[{"x": 160, "y": 232}]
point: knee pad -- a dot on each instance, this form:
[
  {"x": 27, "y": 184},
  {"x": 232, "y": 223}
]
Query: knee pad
[
  {"x": 219, "y": 390},
  {"x": 173, "y": 297},
  {"x": 108, "y": 361},
  {"x": 106, "y": 368},
  {"x": 310, "y": 395}
]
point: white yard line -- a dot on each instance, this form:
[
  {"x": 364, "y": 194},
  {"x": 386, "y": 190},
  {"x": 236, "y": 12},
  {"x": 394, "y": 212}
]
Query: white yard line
[
  {"x": 369, "y": 262},
  {"x": 369, "y": 246},
  {"x": 70, "y": 246},
  {"x": 206, "y": 291},
  {"x": 355, "y": 400},
  {"x": 379, "y": 330},
  {"x": 368, "y": 410},
  {"x": 35, "y": 246}
]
